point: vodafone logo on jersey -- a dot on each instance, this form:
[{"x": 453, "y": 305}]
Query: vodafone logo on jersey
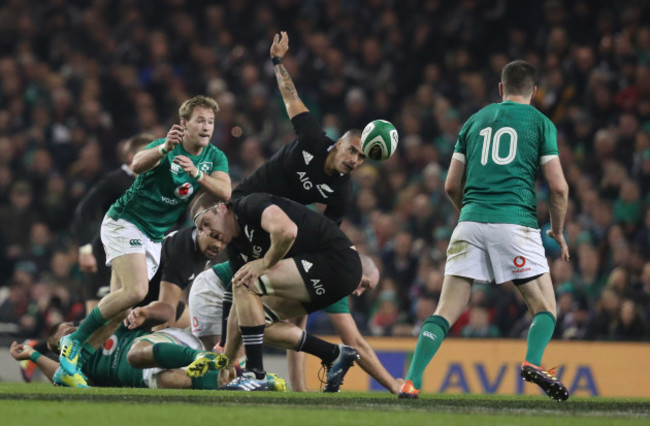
[
  {"x": 520, "y": 263},
  {"x": 183, "y": 191},
  {"x": 110, "y": 345},
  {"x": 195, "y": 324}
]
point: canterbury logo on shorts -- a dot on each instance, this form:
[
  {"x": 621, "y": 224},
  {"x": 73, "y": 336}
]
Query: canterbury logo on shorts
[{"x": 136, "y": 242}]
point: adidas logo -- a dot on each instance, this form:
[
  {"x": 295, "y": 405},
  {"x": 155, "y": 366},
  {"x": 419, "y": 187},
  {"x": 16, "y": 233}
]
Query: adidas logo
[
  {"x": 429, "y": 334},
  {"x": 250, "y": 385},
  {"x": 306, "y": 265},
  {"x": 307, "y": 156}
]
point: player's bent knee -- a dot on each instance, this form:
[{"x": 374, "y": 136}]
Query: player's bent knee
[
  {"x": 139, "y": 355},
  {"x": 136, "y": 294}
]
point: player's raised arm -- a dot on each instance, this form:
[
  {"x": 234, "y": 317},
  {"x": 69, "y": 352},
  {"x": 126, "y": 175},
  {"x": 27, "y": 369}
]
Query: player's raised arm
[
  {"x": 292, "y": 101},
  {"x": 149, "y": 158}
]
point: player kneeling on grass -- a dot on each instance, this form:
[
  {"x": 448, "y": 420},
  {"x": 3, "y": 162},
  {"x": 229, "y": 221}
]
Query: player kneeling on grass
[
  {"x": 206, "y": 301},
  {"x": 281, "y": 248}
]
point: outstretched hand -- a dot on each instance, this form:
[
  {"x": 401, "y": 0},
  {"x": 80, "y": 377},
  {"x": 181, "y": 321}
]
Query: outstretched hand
[
  {"x": 280, "y": 44},
  {"x": 559, "y": 237}
]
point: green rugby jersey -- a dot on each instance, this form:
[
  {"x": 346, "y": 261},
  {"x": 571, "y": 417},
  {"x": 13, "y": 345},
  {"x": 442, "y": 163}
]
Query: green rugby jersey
[
  {"x": 108, "y": 366},
  {"x": 159, "y": 197},
  {"x": 502, "y": 147}
]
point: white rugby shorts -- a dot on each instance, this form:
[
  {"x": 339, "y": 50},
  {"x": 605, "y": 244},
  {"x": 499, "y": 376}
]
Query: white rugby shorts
[
  {"x": 167, "y": 335},
  {"x": 206, "y": 304},
  {"x": 495, "y": 251},
  {"x": 121, "y": 237}
]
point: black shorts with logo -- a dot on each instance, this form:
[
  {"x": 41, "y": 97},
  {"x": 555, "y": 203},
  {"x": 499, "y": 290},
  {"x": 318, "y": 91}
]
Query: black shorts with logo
[{"x": 329, "y": 275}]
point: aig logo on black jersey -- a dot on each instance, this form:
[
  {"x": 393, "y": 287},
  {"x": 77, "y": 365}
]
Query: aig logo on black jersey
[{"x": 323, "y": 188}]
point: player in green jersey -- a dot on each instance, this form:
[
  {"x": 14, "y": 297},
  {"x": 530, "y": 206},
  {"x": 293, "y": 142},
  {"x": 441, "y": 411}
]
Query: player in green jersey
[
  {"x": 131, "y": 358},
  {"x": 170, "y": 171},
  {"x": 491, "y": 182}
]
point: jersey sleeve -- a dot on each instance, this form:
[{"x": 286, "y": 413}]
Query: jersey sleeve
[
  {"x": 460, "y": 149},
  {"x": 548, "y": 148},
  {"x": 155, "y": 143},
  {"x": 307, "y": 128},
  {"x": 170, "y": 268},
  {"x": 251, "y": 207},
  {"x": 340, "y": 307}
]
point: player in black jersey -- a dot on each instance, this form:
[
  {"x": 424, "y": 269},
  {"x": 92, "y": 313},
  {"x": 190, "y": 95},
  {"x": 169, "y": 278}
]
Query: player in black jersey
[
  {"x": 88, "y": 215},
  {"x": 313, "y": 168},
  {"x": 184, "y": 255},
  {"x": 279, "y": 248}
]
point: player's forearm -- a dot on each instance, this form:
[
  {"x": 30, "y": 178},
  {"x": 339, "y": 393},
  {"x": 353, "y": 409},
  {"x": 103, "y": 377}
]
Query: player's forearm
[
  {"x": 159, "y": 313},
  {"x": 147, "y": 159},
  {"x": 558, "y": 200},
  {"x": 371, "y": 365},
  {"x": 456, "y": 198},
  {"x": 292, "y": 102},
  {"x": 217, "y": 186},
  {"x": 281, "y": 242},
  {"x": 47, "y": 366}
]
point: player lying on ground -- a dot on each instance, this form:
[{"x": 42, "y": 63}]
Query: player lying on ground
[
  {"x": 491, "y": 182},
  {"x": 130, "y": 358},
  {"x": 205, "y": 305}
]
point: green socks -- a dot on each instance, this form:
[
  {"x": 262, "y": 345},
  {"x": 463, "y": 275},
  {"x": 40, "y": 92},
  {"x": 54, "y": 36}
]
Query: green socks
[
  {"x": 433, "y": 332},
  {"x": 170, "y": 355},
  {"x": 93, "y": 322},
  {"x": 539, "y": 334},
  {"x": 209, "y": 381}
]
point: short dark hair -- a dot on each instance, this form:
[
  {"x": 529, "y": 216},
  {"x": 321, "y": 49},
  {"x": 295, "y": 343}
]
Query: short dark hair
[{"x": 518, "y": 78}]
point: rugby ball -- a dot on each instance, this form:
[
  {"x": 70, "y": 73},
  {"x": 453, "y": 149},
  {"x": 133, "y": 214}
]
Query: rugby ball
[{"x": 379, "y": 140}]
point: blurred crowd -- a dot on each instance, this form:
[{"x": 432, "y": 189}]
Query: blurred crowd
[{"x": 79, "y": 76}]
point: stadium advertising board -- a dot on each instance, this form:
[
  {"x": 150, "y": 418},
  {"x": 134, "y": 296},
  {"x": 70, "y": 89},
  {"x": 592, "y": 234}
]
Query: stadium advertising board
[{"x": 491, "y": 366}]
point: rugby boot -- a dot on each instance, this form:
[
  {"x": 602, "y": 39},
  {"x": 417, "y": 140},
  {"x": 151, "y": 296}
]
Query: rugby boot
[
  {"x": 76, "y": 380},
  {"x": 204, "y": 362},
  {"x": 248, "y": 381},
  {"x": 275, "y": 383},
  {"x": 339, "y": 367},
  {"x": 545, "y": 380},
  {"x": 69, "y": 355},
  {"x": 408, "y": 391}
]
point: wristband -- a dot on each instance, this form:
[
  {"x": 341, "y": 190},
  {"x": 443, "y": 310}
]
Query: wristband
[
  {"x": 35, "y": 356},
  {"x": 276, "y": 60},
  {"x": 198, "y": 176},
  {"x": 86, "y": 249},
  {"x": 162, "y": 149}
]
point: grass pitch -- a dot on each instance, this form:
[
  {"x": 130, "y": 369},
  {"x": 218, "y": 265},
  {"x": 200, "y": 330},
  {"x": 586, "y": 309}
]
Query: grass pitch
[{"x": 38, "y": 404}]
